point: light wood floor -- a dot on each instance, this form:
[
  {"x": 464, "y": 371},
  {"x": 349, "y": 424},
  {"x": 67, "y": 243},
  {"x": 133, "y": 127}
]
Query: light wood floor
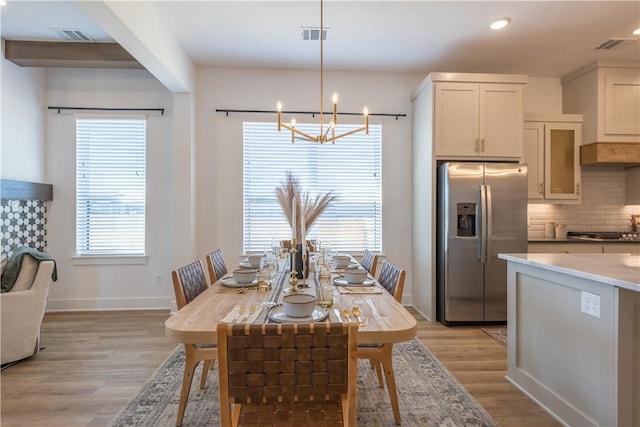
[{"x": 93, "y": 363}]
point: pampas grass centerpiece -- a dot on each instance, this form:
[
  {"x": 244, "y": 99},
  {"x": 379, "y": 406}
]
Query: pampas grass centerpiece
[{"x": 307, "y": 206}]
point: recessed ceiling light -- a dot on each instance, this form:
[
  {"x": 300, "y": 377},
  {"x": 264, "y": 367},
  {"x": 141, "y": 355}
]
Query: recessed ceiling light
[
  {"x": 2, "y": 2},
  {"x": 501, "y": 23},
  {"x": 636, "y": 31}
]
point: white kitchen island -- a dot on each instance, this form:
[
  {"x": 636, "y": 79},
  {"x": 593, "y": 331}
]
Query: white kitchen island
[{"x": 574, "y": 335}]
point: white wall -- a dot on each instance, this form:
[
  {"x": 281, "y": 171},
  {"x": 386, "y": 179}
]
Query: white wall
[
  {"x": 219, "y": 147},
  {"x": 22, "y": 122},
  {"x": 86, "y": 287}
]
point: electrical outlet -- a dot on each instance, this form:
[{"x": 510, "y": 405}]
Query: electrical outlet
[
  {"x": 159, "y": 279},
  {"x": 590, "y": 304}
]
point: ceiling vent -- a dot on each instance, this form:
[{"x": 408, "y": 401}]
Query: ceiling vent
[
  {"x": 613, "y": 42},
  {"x": 313, "y": 33},
  {"x": 72, "y": 34}
]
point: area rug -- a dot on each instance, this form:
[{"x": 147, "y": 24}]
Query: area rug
[
  {"x": 498, "y": 334},
  {"x": 428, "y": 394}
]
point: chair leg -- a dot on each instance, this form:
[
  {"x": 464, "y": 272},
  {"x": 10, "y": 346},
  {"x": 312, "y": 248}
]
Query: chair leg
[
  {"x": 376, "y": 365},
  {"x": 387, "y": 365},
  {"x": 189, "y": 368},
  {"x": 206, "y": 366}
]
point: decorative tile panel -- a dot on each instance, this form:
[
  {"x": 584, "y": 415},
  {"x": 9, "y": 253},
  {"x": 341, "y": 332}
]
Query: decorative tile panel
[{"x": 23, "y": 223}]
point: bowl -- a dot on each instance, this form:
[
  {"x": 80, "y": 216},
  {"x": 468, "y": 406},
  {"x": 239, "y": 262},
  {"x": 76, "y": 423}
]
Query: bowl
[
  {"x": 298, "y": 305},
  {"x": 355, "y": 275},
  {"x": 342, "y": 260},
  {"x": 254, "y": 260},
  {"x": 244, "y": 275}
]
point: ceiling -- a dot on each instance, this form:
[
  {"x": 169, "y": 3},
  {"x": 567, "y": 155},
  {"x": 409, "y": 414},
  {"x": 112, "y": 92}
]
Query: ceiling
[{"x": 545, "y": 38}]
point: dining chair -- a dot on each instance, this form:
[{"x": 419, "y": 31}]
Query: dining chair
[
  {"x": 370, "y": 262},
  {"x": 216, "y": 265},
  {"x": 188, "y": 283},
  {"x": 381, "y": 355},
  {"x": 302, "y": 373}
]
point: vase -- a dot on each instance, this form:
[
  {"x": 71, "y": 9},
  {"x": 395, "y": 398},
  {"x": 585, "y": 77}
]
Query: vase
[{"x": 299, "y": 261}]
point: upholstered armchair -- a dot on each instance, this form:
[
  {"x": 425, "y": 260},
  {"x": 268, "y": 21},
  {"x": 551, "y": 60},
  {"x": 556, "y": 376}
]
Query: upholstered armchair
[{"x": 22, "y": 309}]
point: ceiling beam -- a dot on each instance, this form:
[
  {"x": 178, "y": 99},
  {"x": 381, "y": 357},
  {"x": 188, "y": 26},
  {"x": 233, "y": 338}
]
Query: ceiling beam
[{"x": 68, "y": 54}]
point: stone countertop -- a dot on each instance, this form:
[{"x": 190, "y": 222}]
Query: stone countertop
[
  {"x": 621, "y": 270},
  {"x": 576, "y": 240}
]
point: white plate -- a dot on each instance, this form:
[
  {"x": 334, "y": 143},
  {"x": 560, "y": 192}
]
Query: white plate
[
  {"x": 246, "y": 264},
  {"x": 340, "y": 281},
  {"x": 230, "y": 282},
  {"x": 352, "y": 264},
  {"x": 277, "y": 314}
]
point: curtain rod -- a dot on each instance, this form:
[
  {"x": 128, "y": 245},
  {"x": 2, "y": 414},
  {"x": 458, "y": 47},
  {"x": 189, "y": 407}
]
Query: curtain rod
[
  {"x": 105, "y": 109},
  {"x": 312, "y": 113}
]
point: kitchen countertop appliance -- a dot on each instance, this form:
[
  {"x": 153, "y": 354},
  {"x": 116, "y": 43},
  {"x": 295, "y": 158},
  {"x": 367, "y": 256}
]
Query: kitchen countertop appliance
[{"x": 481, "y": 211}]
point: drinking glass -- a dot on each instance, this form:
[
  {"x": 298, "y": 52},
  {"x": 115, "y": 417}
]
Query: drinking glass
[{"x": 326, "y": 295}]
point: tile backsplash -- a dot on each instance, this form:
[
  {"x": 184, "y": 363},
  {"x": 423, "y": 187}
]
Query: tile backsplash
[
  {"x": 23, "y": 223},
  {"x": 602, "y": 207}
]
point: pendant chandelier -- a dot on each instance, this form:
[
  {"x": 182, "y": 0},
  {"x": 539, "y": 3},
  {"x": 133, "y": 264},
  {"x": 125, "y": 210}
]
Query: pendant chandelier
[{"x": 327, "y": 134}]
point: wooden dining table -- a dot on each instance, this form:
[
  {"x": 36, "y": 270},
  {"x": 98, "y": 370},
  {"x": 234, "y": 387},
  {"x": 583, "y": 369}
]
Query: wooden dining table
[{"x": 385, "y": 320}]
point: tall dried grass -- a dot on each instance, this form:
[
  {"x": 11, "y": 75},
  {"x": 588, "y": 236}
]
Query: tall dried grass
[{"x": 311, "y": 206}]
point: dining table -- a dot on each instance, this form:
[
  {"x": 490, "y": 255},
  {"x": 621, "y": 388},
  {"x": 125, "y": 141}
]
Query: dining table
[{"x": 382, "y": 318}]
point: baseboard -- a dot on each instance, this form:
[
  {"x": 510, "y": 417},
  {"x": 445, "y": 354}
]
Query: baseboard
[{"x": 102, "y": 304}]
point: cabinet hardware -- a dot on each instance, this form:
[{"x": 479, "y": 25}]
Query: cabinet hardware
[
  {"x": 541, "y": 191},
  {"x": 578, "y": 188},
  {"x": 482, "y": 145}
]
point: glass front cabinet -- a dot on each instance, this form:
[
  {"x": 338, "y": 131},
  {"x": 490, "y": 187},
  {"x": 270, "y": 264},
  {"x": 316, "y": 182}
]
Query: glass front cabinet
[{"x": 552, "y": 151}]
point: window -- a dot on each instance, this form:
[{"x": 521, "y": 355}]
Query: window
[
  {"x": 351, "y": 168},
  {"x": 110, "y": 186}
]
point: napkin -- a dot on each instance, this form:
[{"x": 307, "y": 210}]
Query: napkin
[
  {"x": 359, "y": 289},
  {"x": 233, "y": 316}
]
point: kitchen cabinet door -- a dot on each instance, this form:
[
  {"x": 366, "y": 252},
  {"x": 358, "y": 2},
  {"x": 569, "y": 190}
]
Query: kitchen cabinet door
[
  {"x": 478, "y": 120},
  {"x": 622, "y": 248},
  {"x": 534, "y": 158},
  {"x": 552, "y": 151},
  {"x": 562, "y": 161}
]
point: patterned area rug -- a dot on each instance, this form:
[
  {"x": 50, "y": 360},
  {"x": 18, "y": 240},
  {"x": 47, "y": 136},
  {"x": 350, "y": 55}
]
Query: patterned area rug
[
  {"x": 428, "y": 394},
  {"x": 498, "y": 334}
]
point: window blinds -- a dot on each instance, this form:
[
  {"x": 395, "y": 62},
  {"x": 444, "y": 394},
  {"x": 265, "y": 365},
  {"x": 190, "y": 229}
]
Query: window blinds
[
  {"x": 351, "y": 168},
  {"x": 110, "y": 186}
]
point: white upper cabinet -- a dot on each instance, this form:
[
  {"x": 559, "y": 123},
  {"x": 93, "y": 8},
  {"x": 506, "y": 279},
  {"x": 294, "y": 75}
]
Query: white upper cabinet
[
  {"x": 552, "y": 153},
  {"x": 478, "y": 117},
  {"x": 607, "y": 94}
]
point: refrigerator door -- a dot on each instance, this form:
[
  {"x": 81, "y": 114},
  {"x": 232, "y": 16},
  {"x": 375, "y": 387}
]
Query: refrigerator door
[
  {"x": 506, "y": 186},
  {"x": 461, "y": 273}
]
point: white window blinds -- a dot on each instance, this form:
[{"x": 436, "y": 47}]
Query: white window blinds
[
  {"x": 351, "y": 168},
  {"x": 110, "y": 186}
]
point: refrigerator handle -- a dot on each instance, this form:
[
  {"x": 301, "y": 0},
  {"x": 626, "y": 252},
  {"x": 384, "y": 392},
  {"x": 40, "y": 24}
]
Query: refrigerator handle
[
  {"x": 489, "y": 224},
  {"x": 483, "y": 223}
]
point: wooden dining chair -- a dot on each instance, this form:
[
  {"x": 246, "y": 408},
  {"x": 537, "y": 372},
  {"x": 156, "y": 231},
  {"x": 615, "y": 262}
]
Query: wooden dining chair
[
  {"x": 189, "y": 282},
  {"x": 216, "y": 265},
  {"x": 370, "y": 262},
  {"x": 288, "y": 374},
  {"x": 381, "y": 355}
]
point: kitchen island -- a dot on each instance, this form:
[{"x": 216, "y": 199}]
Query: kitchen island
[{"x": 574, "y": 335}]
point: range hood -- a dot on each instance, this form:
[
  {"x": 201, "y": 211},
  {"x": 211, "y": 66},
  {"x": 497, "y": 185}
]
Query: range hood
[{"x": 610, "y": 153}]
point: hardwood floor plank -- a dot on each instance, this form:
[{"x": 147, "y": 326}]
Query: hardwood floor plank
[{"x": 94, "y": 362}]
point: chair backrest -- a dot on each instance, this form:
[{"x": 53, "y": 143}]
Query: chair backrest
[
  {"x": 392, "y": 279},
  {"x": 188, "y": 283},
  {"x": 271, "y": 363},
  {"x": 216, "y": 265},
  {"x": 370, "y": 261}
]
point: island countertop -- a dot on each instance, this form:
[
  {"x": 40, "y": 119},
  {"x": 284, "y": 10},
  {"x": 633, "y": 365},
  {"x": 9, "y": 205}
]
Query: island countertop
[{"x": 621, "y": 270}]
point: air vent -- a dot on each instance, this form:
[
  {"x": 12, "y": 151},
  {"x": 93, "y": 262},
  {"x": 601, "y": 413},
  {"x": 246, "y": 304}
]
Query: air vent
[
  {"x": 611, "y": 43},
  {"x": 71, "y": 34},
  {"x": 313, "y": 33}
]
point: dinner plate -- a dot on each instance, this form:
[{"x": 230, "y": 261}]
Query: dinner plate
[
  {"x": 246, "y": 264},
  {"x": 277, "y": 314},
  {"x": 341, "y": 281},
  {"x": 230, "y": 282}
]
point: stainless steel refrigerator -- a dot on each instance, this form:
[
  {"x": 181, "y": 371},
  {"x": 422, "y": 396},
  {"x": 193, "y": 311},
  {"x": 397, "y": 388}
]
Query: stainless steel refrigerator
[{"x": 482, "y": 211}]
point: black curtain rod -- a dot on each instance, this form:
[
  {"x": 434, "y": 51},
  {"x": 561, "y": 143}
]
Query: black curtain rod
[
  {"x": 312, "y": 113},
  {"x": 105, "y": 109}
]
